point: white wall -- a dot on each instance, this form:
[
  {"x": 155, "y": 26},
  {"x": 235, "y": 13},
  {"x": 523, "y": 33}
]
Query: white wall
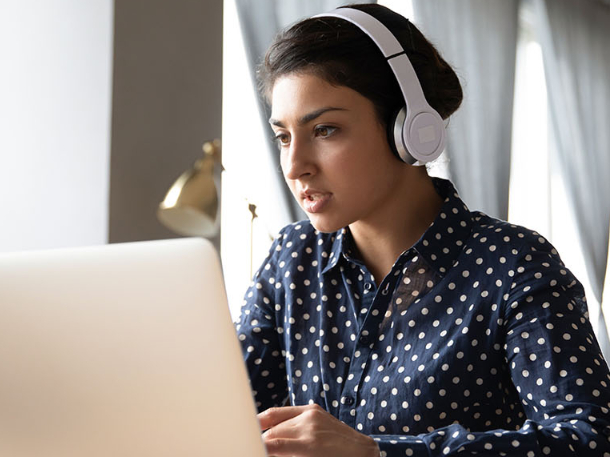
[{"x": 55, "y": 95}]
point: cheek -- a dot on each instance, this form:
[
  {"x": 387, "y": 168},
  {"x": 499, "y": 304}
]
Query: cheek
[
  {"x": 289, "y": 182},
  {"x": 283, "y": 169},
  {"x": 282, "y": 163},
  {"x": 292, "y": 186}
]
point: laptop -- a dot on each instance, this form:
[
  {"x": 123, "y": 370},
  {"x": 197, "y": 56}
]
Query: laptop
[{"x": 121, "y": 350}]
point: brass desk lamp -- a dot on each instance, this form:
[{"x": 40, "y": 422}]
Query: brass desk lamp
[{"x": 192, "y": 204}]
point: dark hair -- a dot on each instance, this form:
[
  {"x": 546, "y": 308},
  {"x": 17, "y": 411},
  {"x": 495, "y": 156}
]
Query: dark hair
[{"x": 341, "y": 54}]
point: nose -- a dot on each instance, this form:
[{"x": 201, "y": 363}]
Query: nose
[{"x": 297, "y": 160}]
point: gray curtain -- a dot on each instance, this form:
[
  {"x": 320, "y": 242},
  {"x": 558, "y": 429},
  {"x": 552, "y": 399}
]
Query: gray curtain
[
  {"x": 479, "y": 39},
  {"x": 575, "y": 38},
  {"x": 260, "y": 20}
]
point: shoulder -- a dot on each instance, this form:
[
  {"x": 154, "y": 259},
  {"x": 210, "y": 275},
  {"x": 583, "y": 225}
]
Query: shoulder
[
  {"x": 299, "y": 241},
  {"x": 532, "y": 263},
  {"x": 510, "y": 239},
  {"x": 301, "y": 232},
  {"x": 299, "y": 250},
  {"x": 524, "y": 255}
]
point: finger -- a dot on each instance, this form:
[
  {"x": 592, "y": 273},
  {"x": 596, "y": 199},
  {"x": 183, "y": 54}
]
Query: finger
[
  {"x": 273, "y": 416},
  {"x": 280, "y": 447},
  {"x": 289, "y": 429}
]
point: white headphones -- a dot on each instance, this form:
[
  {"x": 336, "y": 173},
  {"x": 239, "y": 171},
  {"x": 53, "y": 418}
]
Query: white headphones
[{"x": 418, "y": 131}]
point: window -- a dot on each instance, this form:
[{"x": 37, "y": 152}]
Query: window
[
  {"x": 243, "y": 241},
  {"x": 537, "y": 197}
]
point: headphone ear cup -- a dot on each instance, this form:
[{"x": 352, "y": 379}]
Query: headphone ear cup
[
  {"x": 395, "y": 123},
  {"x": 396, "y": 128}
]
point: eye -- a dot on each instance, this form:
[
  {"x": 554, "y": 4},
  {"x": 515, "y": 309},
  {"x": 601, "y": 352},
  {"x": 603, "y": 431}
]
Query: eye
[
  {"x": 324, "y": 131},
  {"x": 282, "y": 139}
]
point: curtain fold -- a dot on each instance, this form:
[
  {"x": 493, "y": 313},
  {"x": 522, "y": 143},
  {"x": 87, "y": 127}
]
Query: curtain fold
[
  {"x": 260, "y": 20},
  {"x": 575, "y": 39},
  {"x": 479, "y": 39}
]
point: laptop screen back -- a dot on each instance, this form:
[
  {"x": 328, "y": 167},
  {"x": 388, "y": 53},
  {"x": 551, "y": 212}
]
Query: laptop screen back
[{"x": 121, "y": 350}]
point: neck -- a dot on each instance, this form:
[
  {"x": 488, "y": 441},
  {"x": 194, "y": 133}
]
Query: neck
[{"x": 399, "y": 225}]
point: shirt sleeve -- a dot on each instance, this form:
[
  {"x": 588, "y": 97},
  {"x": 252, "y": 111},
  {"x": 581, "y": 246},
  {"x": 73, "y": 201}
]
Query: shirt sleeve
[
  {"x": 260, "y": 335},
  {"x": 555, "y": 364}
]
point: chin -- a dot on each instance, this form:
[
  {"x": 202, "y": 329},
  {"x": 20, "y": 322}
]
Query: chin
[{"x": 325, "y": 226}]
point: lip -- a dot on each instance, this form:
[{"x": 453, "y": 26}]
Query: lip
[{"x": 314, "y": 201}]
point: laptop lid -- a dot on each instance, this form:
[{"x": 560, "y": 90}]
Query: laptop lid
[{"x": 121, "y": 350}]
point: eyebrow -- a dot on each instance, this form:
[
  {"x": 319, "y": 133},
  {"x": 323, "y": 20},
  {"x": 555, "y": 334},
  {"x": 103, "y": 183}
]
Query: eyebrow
[{"x": 308, "y": 117}]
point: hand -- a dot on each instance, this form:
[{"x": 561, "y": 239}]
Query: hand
[{"x": 310, "y": 431}]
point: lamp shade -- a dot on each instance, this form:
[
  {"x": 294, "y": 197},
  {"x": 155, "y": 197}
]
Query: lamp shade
[{"x": 192, "y": 204}]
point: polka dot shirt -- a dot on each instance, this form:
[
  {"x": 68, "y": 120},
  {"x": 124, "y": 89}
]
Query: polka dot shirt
[{"x": 476, "y": 343}]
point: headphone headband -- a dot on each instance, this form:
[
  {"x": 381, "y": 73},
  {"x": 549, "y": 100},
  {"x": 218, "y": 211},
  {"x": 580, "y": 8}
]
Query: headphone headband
[{"x": 418, "y": 132}]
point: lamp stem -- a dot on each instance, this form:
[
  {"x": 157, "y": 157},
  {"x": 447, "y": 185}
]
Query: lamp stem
[{"x": 252, "y": 208}]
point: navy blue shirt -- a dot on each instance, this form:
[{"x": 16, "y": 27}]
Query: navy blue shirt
[{"x": 477, "y": 341}]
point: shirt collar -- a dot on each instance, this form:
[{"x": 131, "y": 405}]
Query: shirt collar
[
  {"x": 342, "y": 247},
  {"x": 440, "y": 244}
]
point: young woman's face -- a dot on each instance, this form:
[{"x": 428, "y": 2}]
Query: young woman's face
[{"x": 334, "y": 152}]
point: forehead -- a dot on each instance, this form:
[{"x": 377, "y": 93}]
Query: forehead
[{"x": 298, "y": 94}]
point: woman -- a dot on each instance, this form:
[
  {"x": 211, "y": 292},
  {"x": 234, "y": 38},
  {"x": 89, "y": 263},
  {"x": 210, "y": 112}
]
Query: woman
[{"x": 396, "y": 321}]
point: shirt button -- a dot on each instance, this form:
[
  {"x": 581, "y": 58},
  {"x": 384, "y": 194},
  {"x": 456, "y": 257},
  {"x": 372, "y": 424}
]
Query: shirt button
[
  {"x": 368, "y": 286},
  {"x": 349, "y": 401},
  {"x": 364, "y": 339}
]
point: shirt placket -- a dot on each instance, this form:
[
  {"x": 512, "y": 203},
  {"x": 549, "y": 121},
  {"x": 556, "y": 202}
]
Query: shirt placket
[{"x": 377, "y": 301}]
